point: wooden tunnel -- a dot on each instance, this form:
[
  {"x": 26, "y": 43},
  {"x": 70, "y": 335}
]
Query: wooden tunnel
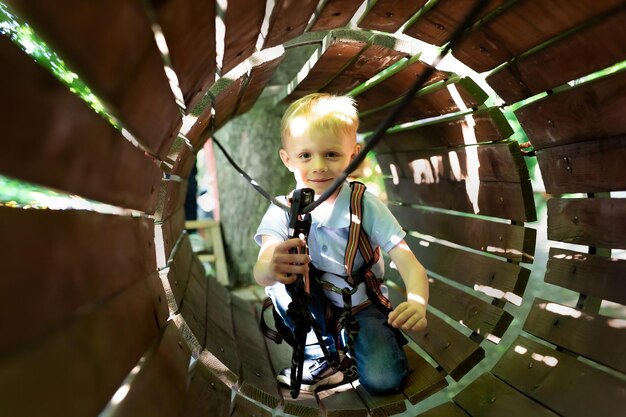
[{"x": 102, "y": 313}]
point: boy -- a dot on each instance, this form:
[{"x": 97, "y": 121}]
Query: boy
[{"x": 319, "y": 141}]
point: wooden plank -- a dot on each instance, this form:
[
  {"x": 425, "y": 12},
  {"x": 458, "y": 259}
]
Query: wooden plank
[
  {"x": 396, "y": 85},
  {"x": 511, "y": 32},
  {"x": 596, "y": 337},
  {"x": 584, "y": 167},
  {"x": 539, "y": 372},
  {"x": 488, "y": 125},
  {"x": 159, "y": 299},
  {"x": 194, "y": 303},
  {"x": 507, "y": 200},
  {"x": 382, "y": 405},
  {"x": 50, "y": 274},
  {"x": 264, "y": 64},
  {"x": 588, "y": 274},
  {"x": 167, "y": 233},
  {"x": 335, "y": 14},
  {"x": 513, "y": 242},
  {"x": 179, "y": 271},
  {"x": 568, "y": 58},
  {"x": 389, "y": 15},
  {"x": 374, "y": 59},
  {"x": 189, "y": 29},
  {"x": 111, "y": 46},
  {"x": 83, "y": 363},
  {"x": 588, "y": 221},
  {"x": 219, "y": 307},
  {"x": 427, "y": 104},
  {"x": 448, "y": 409},
  {"x": 586, "y": 112},
  {"x": 159, "y": 387},
  {"x": 207, "y": 394},
  {"x": 243, "y": 22},
  {"x": 437, "y": 24},
  {"x": 484, "y": 274},
  {"x": 342, "y": 401},
  {"x": 257, "y": 379},
  {"x": 226, "y": 93},
  {"x": 109, "y": 169},
  {"x": 172, "y": 193},
  {"x": 488, "y": 396},
  {"x": 499, "y": 162},
  {"x": 324, "y": 65},
  {"x": 456, "y": 353},
  {"x": 288, "y": 20},
  {"x": 245, "y": 407},
  {"x": 423, "y": 380}
]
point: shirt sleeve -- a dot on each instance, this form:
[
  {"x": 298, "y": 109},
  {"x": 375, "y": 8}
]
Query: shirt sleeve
[
  {"x": 274, "y": 223},
  {"x": 380, "y": 224}
]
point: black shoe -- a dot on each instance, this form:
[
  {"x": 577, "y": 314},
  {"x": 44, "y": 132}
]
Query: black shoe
[{"x": 315, "y": 373}]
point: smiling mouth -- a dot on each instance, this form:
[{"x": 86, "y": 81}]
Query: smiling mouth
[{"x": 320, "y": 181}]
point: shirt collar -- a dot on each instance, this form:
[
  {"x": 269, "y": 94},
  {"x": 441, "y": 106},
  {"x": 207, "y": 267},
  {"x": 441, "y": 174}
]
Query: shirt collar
[{"x": 339, "y": 215}]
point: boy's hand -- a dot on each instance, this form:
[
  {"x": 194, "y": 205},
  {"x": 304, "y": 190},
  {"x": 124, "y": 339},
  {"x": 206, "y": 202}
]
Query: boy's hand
[
  {"x": 408, "y": 316},
  {"x": 284, "y": 265}
]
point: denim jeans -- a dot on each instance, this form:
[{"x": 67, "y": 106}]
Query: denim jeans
[{"x": 380, "y": 359}]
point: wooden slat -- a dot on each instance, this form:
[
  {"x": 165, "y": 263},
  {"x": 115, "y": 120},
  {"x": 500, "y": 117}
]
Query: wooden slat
[
  {"x": 507, "y": 200},
  {"x": 540, "y": 372},
  {"x": 83, "y": 363},
  {"x": 510, "y": 33},
  {"x": 484, "y": 274},
  {"x": 593, "y": 275},
  {"x": 500, "y": 162},
  {"x": 257, "y": 379},
  {"x": 487, "y": 396},
  {"x": 586, "y": 112},
  {"x": 331, "y": 58},
  {"x": 221, "y": 353},
  {"x": 195, "y": 300},
  {"x": 245, "y": 407},
  {"x": 189, "y": 29},
  {"x": 179, "y": 271},
  {"x": 219, "y": 306},
  {"x": 594, "y": 336},
  {"x": 573, "y": 56},
  {"x": 112, "y": 48},
  {"x": 423, "y": 380},
  {"x": 288, "y": 20},
  {"x": 167, "y": 233},
  {"x": 382, "y": 406},
  {"x": 172, "y": 193},
  {"x": 452, "y": 350},
  {"x": 584, "y": 167},
  {"x": 487, "y": 125},
  {"x": 206, "y": 395},
  {"x": 396, "y": 85},
  {"x": 160, "y": 386},
  {"x": 243, "y": 22},
  {"x": 510, "y": 241},
  {"x": 342, "y": 401},
  {"x": 588, "y": 221},
  {"x": 437, "y": 24},
  {"x": 50, "y": 274},
  {"x": 107, "y": 168},
  {"x": 264, "y": 64},
  {"x": 390, "y": 15},
  {"x": 448, "y": 409},
  {"x": 225, "y": 95},
  {"x": 429, "y": 104},
  {"x": 335, "y": 14},
  {"x": 159, "y": 298},
  {"x": 370, "y": 62}
]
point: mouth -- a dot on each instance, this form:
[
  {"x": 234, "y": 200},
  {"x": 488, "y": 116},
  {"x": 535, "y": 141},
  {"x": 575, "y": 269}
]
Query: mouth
[{"x": 322, "y": 181}]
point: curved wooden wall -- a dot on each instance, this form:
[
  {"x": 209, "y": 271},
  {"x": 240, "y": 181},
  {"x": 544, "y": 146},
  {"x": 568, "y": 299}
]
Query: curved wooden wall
[{"x": 102, "y": 312}]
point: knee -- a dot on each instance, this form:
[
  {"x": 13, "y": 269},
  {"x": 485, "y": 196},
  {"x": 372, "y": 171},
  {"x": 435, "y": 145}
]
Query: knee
[{"x": 382, "y": 380}]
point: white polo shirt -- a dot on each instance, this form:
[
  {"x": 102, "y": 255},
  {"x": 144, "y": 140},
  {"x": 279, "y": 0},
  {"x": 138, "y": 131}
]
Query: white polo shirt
[{"x": 330, "y": 225}]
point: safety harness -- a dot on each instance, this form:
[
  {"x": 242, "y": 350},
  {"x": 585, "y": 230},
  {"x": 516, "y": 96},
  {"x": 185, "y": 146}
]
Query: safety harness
[{"x": 358, "y": 241}]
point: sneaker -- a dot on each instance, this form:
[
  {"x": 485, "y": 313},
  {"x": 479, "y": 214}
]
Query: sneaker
[{"x": 315, "y": 373}]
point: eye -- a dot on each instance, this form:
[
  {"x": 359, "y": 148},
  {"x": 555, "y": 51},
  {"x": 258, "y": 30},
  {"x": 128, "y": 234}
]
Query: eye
[
  {"x": 332, "y": 154},
  {"x": 304, "y": 155}
]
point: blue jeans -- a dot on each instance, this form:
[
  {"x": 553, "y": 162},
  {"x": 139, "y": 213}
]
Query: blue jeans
[{"x": 380, "y": 359}]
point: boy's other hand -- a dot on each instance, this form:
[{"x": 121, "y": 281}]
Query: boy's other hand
[
  {"x": 285, "y": 266},
  {"x": 408, "y": 316}
]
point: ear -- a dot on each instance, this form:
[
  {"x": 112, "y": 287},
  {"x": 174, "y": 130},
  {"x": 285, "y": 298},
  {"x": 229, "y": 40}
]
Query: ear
[
  {"x": 284, "y": 156},
  {"x": 357, "y": 149}
]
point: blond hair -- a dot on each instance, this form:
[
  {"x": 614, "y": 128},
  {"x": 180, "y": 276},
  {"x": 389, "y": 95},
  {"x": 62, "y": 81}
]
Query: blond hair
[{"x": 320, "y": 111}]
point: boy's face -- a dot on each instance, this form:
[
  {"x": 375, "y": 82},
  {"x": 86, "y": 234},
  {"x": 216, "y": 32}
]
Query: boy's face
[{"x": 317, "y": 157}]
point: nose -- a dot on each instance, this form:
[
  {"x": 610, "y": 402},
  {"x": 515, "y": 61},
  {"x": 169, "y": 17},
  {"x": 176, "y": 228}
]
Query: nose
[{"x": 319, "y": 164}]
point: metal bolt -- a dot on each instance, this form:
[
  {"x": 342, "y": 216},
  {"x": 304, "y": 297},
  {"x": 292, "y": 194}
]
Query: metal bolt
[
  {"x": 575, "y": 219},
  {"x": 550, "y": 123}
]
